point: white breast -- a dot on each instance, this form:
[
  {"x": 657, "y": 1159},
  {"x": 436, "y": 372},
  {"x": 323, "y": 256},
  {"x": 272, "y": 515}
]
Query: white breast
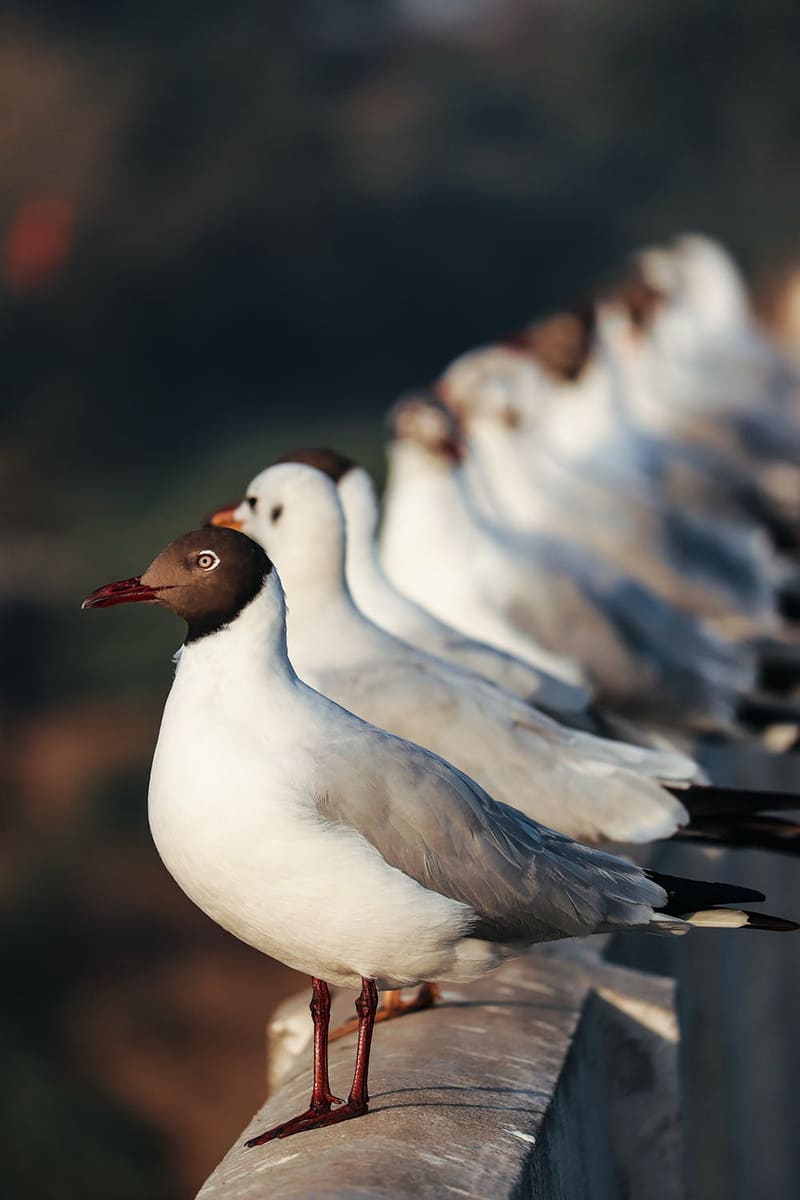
[{"x": 234, "y": 820}]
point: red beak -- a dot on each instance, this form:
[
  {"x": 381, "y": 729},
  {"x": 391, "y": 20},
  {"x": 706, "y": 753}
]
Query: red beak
[{"x": 124, "y": 591}]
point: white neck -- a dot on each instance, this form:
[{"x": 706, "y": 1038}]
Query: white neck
[
  {"x": 424, "y": 502},
  {"x": 507, "y": 475},
  {"x": 316, "y": 583},
  {"x": 250, "y": 651},
  {"x": 580, "y": 417},
  {"x": 360, "y": 503}
]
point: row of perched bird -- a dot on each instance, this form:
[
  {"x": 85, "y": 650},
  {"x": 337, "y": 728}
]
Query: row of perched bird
[{"x": 415, "y": 767}]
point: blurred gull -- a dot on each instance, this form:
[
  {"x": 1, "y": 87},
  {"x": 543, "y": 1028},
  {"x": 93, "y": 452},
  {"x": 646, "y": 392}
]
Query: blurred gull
[
  {"x": 715, "y": 569},
  {"x": 383, "y": 604},
  {"x": 715, "y": 377},
  {"x": 640, "y": 653}
]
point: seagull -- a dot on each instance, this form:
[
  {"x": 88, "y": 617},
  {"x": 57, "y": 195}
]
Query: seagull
[
  {"x": 714, "y": 569},
  {"x": 554, "y": 451},
  {"x": 348, "y": 853},
  {"x": 520, "y": 755},
  {"x": 717, "y": 378},
  {"x": 380, "y": 601},
  {"x": 383, "y": 604},
  {"x": 705, "y": 303},
  {"x": 641, "y": 654}
]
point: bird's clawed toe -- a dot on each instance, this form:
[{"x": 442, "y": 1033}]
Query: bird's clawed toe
[{"x": 312, "y": 1118}]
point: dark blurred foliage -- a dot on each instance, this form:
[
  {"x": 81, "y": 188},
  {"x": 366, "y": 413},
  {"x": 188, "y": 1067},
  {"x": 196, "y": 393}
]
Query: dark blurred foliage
[
  {"x": 316, "y": 204},
  {"x": 227, "y": 229},
  {"x": 59, "y": 1131}
]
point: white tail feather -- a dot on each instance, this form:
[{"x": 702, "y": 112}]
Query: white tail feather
[{"x": 717, "y": 918}]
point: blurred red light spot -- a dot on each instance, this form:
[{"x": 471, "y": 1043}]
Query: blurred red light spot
[{"x": 37, "y": 244}]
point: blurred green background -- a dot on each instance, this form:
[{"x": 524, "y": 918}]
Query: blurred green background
[{"x": 226, "y": 230}]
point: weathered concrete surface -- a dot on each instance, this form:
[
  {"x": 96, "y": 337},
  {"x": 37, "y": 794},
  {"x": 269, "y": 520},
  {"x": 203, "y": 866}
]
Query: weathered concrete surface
[{"x": 556, "y": 1077}]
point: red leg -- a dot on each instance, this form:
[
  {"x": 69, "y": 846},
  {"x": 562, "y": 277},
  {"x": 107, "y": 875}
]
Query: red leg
[
  {"x": 320, "y": 1111},
  {"x": 322, "y": 1098},
  {"x": 428, "y": 995},
  {"x": 366, "y": 1007}
]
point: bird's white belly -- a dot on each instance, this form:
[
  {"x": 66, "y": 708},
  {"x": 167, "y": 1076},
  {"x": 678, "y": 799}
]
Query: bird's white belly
[{"x": 317, "y": 897}]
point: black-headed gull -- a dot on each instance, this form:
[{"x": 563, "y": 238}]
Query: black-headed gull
[
  {"x": 584, "y": 786},
  {"x": 713, "y": 568},
  {"x": 383, "y": 604},
  {"x": 377, "y": 597},
  {"x": 716, "y": 377},
  {"x": 347, "y": 853},
  {"x": 641, "y": 654}
]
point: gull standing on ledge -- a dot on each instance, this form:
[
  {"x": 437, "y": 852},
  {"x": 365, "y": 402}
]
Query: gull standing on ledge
[
  {"x": 339, "y": 849},
  {"x": 380, "y": 601},
  {"x": 588, "y": 787},
  {"x": 642, "y": 655},
  {"x": 584, "y": 786}
]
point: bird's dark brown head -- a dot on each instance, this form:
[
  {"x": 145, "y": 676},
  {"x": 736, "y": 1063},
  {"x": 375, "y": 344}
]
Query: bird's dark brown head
[
  {"x": 421, "y": 417},
  {"x": 331, "y": 463},
  {"x": 560, "y": 344},
  {"x": 638, "y": 298},
  {"x": 207, "y": 577}
]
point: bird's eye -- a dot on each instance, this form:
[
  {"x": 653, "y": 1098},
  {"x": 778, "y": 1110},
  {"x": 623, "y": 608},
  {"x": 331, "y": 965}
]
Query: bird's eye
[
  {"x": 252, "y": 501},
  {"x": 276, "y": 512},
  {"x": 207, "y": 560}
]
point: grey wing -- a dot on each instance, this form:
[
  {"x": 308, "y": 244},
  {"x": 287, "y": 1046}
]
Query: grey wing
[
  {"x": 550, "y": 601},
  {"x": 695, "y": 669},
  {"x": 525, "y": 882},
  {"x": 694, "y": 666},
  {"x": 726, "y": 556},
  {"x": 532, "y": 684}
]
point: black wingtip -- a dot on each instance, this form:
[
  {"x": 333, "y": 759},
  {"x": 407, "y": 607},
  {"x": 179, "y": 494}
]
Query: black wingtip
[
  {"x": 691, "y": 895},
  {"x": 788, "y": 598},
  {"x": 706, "y": 800},
  {"x": 765, "y": 921},
  {"x": 746, "y": 833},
  {"x": 778, "y": 666},
  {"x": 760, "y": 711}
]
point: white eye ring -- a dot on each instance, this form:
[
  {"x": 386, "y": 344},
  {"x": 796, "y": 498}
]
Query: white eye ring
[{"x": 212, "y": 560}]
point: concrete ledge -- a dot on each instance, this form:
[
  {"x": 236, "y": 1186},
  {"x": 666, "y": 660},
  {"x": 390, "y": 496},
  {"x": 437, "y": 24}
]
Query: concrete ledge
[
  {"x": 556, "y": 1077},
  {"x": 739, "y": 999}
]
